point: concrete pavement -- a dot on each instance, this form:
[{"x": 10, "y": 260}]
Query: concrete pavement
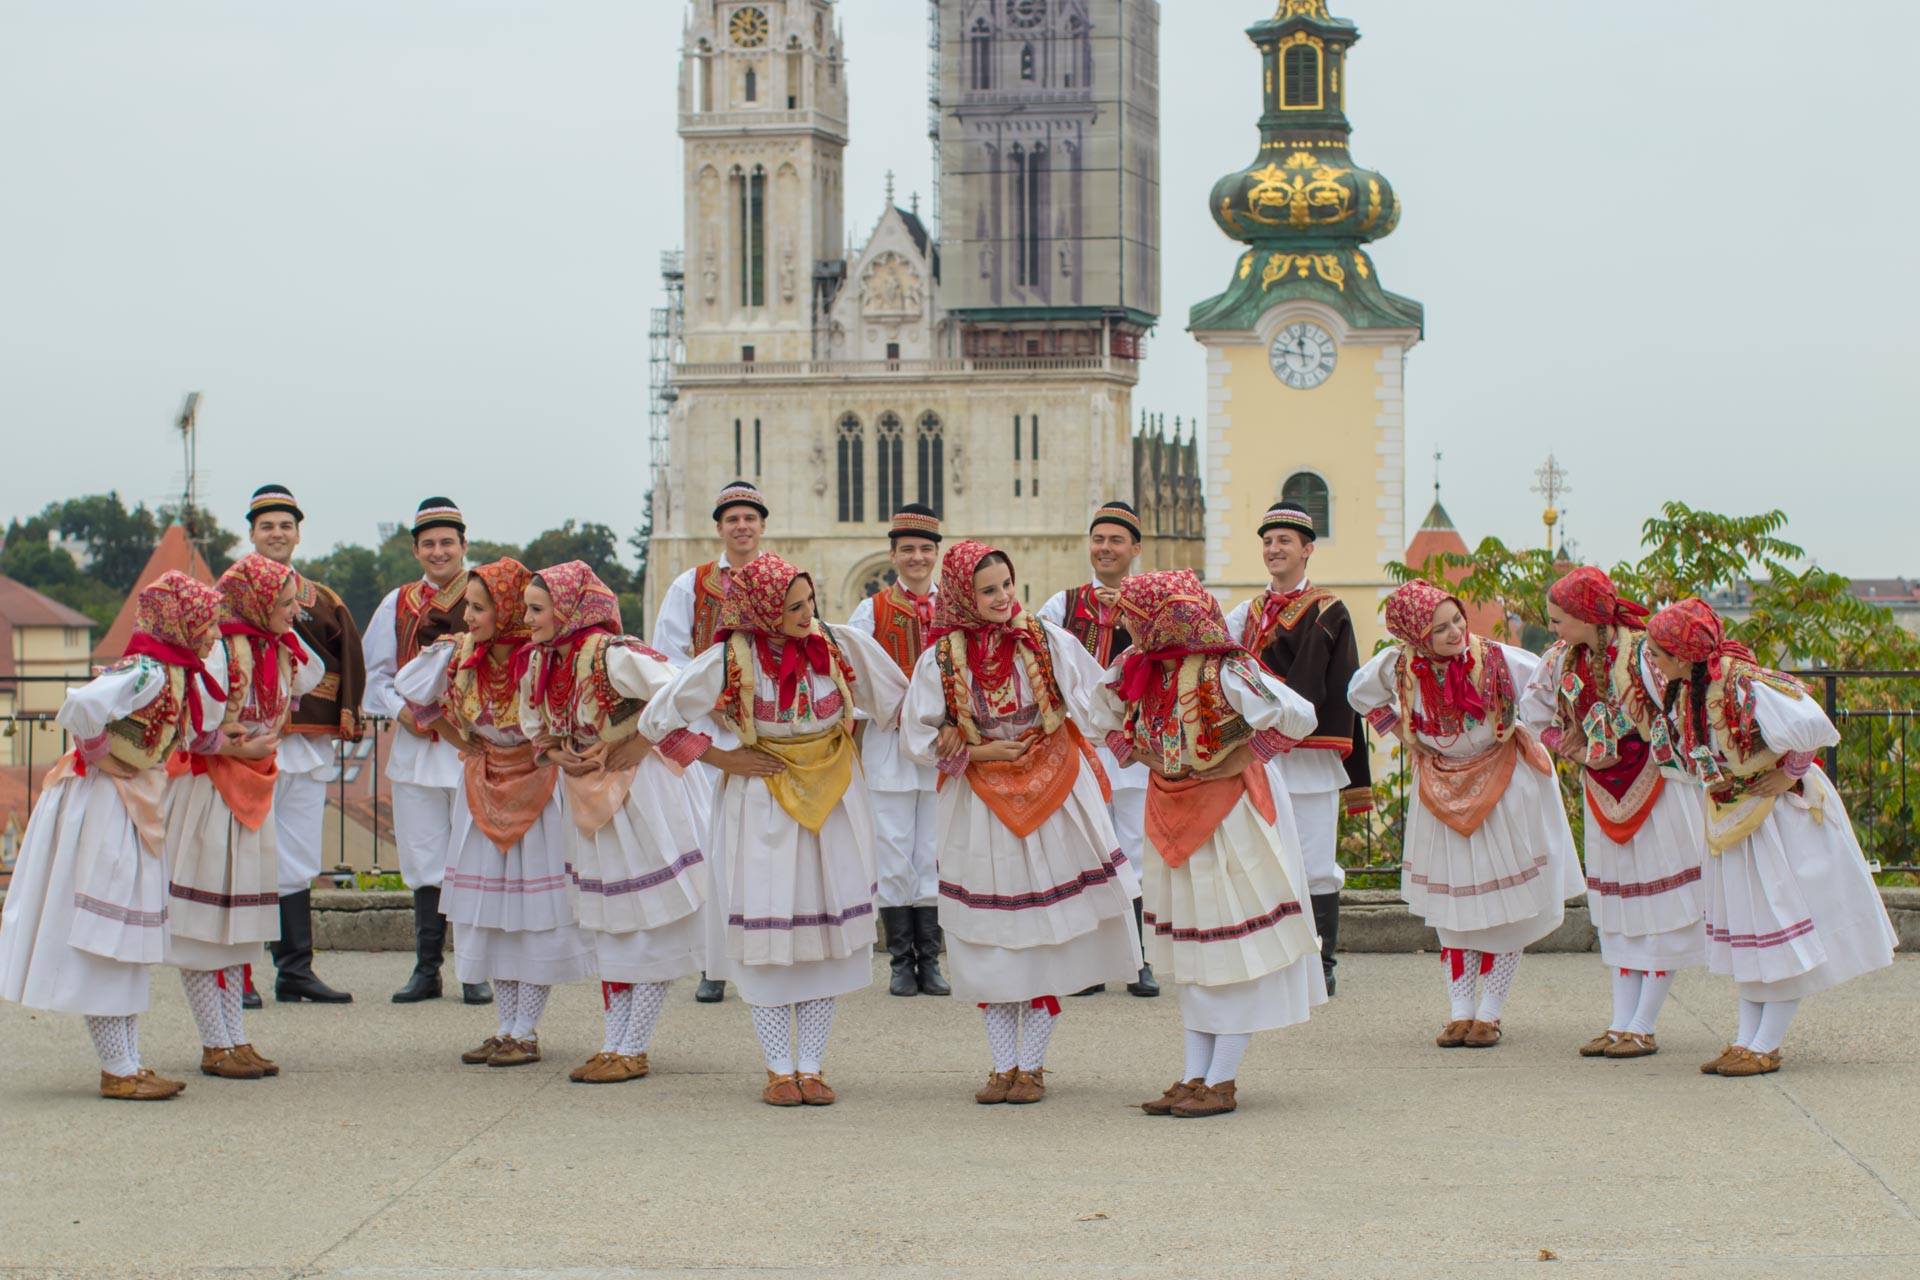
[{"x": 1359, "y": 1148}]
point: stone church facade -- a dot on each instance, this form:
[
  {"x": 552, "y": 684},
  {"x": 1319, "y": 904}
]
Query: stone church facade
[{"x": 986, "y": 369}]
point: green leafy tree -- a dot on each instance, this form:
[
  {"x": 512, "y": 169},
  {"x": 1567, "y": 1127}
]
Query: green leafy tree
[
  {"x": 118, "y": 541},
  {"x": 353, "y": 573},
  {"x": 596, "y": 544}
]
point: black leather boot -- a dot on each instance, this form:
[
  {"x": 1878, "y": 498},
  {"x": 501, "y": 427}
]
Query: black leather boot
[
  {"x": 293, "y": 955},
  {"x": 476, "y": 993},
  {"x": 249, "y": 998},
  {"x": 927, "y": 940},
  {"x": 1146, "y": 984},
  {"x": 1326, "y": 923},
  {"x": 710, "y": 990},
  {"x": 429, "y": 948},
  {"x": 896, "y": 926}
]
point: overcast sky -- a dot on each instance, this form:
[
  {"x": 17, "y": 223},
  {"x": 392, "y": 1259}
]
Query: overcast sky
[{"x": 407, "y": 246}]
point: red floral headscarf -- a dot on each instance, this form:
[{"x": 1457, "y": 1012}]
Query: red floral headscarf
[
  {"x": 247, "y": 591},
  {"x": 756, "y": 599},
  {"x": 1588, "y": 594},
  {"x": 755, "y": 606},
  {"x": 990, "y": 645},
  {"x": 506, "y": 582},
  {"x": 1174, "y": 610},
  {"x": 1691, "y": 631},
  {"x": 582, "y": 606},
  {"x": 1410, "y": 613},
  {"x": 1171, "y": 616},
  {"x": 173, "y": 616}
]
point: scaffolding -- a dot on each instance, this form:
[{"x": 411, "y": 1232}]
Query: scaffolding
[
  {"x": 666, "y": 347},
  {"x": 933, "y": 107}
]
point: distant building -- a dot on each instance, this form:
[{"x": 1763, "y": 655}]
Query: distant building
[
  {"x": 39, "y": 638},
  {"x": 980, "y": 359},
  {"x": 174, "y": 551},
  {"x": 1437, "y": 536}
]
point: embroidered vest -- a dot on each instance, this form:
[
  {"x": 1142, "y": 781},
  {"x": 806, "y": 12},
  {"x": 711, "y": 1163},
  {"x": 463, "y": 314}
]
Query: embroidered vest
[
  {"x": 709, "y": 591},
  {"x": 144, "y": 739},
  {"x": 422, "y": 615},
  {"x": 1083, "y": 624},
  {"x": 582, "y": 704},
  {"x": 897, "y": 628},
  {"x": 1257, "y": 634}
]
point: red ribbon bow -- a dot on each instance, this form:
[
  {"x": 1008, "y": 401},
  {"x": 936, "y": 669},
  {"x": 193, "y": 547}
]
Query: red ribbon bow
[
  {"x": 146, "y": 644},
  {"x": 922, "y": 608},
  {"x": 1142, "y": 682},
  {"x": 796, "y": 656},
  {"x": 266, "y": 667}
]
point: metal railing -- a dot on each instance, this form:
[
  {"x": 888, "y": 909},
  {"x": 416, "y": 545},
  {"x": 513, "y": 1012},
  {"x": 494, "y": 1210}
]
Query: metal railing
[{"x": 357, "y": 765}]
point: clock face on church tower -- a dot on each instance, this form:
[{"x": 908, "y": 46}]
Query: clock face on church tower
[
  {"x": 748, "y": 28},
  {"x": 1302, "y": 355}
]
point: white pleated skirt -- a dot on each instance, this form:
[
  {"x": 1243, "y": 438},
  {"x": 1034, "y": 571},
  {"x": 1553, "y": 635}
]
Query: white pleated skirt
[
  {"x": 1791, "y": 910},
  {"x": 1284, "y": 998},
  {"x": 1644, "y": 897},
  {"x": 86, "y": 911},
  {"x": 1502, "y": 887},
  {"x": 986, "y": 974},
  {"x": 550, "y": 957}
]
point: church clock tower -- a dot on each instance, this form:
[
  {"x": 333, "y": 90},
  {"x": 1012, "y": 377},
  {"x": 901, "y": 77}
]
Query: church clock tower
[{"x": 1305, "y": 348}]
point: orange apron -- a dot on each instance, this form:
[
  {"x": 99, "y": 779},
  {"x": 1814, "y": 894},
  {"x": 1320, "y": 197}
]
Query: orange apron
[
  {"x": 245, "y": 785},
  {"x": 1461, "y": 793},
  {"x": 1183, "y": 814},
  {"x": 506, "y": 791},
  {"x": 1024, "y": 793},
  {"x": 141, "y": 793}
]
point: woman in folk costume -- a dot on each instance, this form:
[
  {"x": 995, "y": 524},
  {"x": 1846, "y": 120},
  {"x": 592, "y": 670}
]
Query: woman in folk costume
[
  {"x": 1224, "y": 893},
  {"x": 1589, "y": 703},
  {"x": 1791, "y": 909},
  {"x": 220, "y": 835},
  {"x": 637, "y": 822},
  {"x": 87, "y": 911},
  {"x": 1488, "y": 857},
  {"x": 505, "y": 892},
  {"x": 1033, "y": 899},
  {"x": 792, "y": 840}
]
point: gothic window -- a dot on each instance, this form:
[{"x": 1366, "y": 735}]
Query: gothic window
[
  {"x": 737, "y": 469},
  {"x": 981, "y": 42},
  {"x": 1033, "y": 217},
  {"x": 703, "y": 77},
  {"x": 756, "y": 448},
  {"x": 879, "y": 580},
  {"x": 853, "y": 475},
  {"x": 1026, "y": 62},
  {"x": 890, "y": 465},
  {"x": 796, "y": 73},
  {"x": 753, "y": 236},
  {"x": 930, "y": 447},
  {"x": 1080, "y": 54},
  {"x": 753, "y": 85},
  {"x": 1016, "y": 455},
  {"x": 1017, "y": 164},
  {"x": 1301, "y": 80},
  {"x": 1311, "y": 492}
]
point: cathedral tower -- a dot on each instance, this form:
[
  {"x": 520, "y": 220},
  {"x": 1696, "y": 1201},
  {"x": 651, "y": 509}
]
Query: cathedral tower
[
  {"x": 1050, "y": 174},
  {"x": 763, "y": 113},
  {"x": 1305, "y": 347}
]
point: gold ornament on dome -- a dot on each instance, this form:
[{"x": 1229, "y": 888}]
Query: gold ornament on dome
[
  {"x": 1309, "y": 192},
  {"x": 1373, "y": 204},
  {"x": 748, "y": 28},
  {"x": 1325, "y": 265},
  {"x": 1300, "y": 9}
]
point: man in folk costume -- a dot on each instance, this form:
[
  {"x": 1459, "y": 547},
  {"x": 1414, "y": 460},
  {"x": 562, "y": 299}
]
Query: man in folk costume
[
  {"x": 689, "y": 613},
  {"x": 1091, "y": 614},
  {"x": 906, "y": 803},
  {"x": 86, "y": 913},
  {"x": 309, "y": 757},
  {"x": 1304, "y": 635},
  {"x": 1488, "y": 859},
  {"x": 1645, "y": 835},
  {"x": 1223, "y": 888},
  {"x": 1791, "y": 909},
  {"x": 426, "y": 770}
]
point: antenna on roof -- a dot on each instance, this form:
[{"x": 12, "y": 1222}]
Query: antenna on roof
[{"x": 188, "y": 426}]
